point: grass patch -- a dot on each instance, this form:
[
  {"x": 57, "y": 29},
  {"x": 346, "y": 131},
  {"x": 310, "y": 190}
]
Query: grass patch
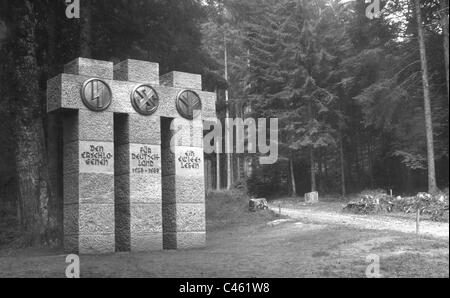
[{"x": 230, "y": 208}]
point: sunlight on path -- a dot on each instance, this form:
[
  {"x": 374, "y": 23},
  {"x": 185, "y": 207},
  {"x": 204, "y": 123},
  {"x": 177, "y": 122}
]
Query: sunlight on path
[{"x": 376, "y": 222}]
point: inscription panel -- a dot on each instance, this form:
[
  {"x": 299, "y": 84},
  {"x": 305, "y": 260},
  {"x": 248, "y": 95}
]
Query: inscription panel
[
  {"x": 145, "y": 159},
  {"x": 96, "y": 157},
  {"x": 189, "y": 161}
]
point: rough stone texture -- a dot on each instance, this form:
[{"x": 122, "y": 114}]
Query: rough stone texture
[
  {"x": 71, "y": 188},
  {"x": 145, "y": 215},
  {"x": 88, "y": 188},
  {"x": 187, "y": 190},
  {"x": 88, "y": 182},
  {"x": 183, "y": 184},
  {"x": 145, "y": 189},
  {"x": 137, "y": 71},
  {"x": 148, "y": 242},
  {"x": 167, "y": 162},
  {"x": 189, "y": 240},
  {"x": 122, "y": 231},
  {"x": 187, "y": 133},
  {"x": 139, "y": 159},
  {"x": 96, "y": 219},
  {"x": 96, "y": 188},
  {"x": 179, "y": 79},
  {"x": 96, "y": 157},
  {"x": 54, "y": 93},
  {"x": 89, "y": 67},
  {"x": 208, "y": 106},
  {"x": 64, "y": 92},
  {"x": 96, "y": 244},
  {"x": 145, "y": 218},
  {"x": 189, "y": 161},
  {"x": 138, "y": 192},
  {"x": 136, "y": 128},
  {"x": 89, "y": 244},
  {"x": 312, "y": 197},
  {"x": 169, "y": 214},
  {"x": 71, "y": 163},
  {"x": 190, "y": 217},
  {"x": 169, "y": 240},
  {"x": 71, "y": 244},
  {"x": 78, "y": 157},
  {"x": 180, "y": 218},
  {"x": 71, "y": 219},
  {"x": 94, "y": 126}
]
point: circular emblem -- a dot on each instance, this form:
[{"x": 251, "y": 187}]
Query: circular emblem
[
  {"x": 96, "y": 95},
  {"x": 189, "y": 104},
  {"x": 144, "y": 99}
]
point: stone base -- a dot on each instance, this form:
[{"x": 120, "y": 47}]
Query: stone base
[
  {"x": 312, "y": 198},
  {"x": 87, "y": 245},
  {"x": 150, "y": 242}
]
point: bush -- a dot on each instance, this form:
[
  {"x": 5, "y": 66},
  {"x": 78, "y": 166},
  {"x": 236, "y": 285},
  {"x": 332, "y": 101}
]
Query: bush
[{"x": 375, "y": 201}]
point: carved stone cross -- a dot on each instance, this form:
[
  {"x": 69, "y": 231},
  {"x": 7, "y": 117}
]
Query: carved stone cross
[{"x": 128, "y": 183}]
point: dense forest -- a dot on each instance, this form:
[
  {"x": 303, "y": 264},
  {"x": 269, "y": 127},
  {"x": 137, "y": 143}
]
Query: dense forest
[
  {"x": 347, "y": 89},
  {"x": 362, "y": 102}
]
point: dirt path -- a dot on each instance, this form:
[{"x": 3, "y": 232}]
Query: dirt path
[{"x": 375, "y": 222}]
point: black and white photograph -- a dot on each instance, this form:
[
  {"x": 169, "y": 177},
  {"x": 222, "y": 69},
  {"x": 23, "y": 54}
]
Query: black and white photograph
[{"x": 224, "y": 145}]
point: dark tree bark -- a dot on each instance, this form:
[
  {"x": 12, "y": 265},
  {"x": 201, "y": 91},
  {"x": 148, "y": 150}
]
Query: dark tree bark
[
  {"x": 341, "y": 155},
  {"x": 291, "y": 169},
  {"x": 432, "y": 187},
  {"x": 313, "y": 169},
  {"x": 86, "y": 29},
  {"x": 31, "y": 164},
  {"x": 444, "y": 21}
]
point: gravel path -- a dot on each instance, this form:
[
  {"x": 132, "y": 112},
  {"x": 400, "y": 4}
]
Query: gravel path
[{"x": 376, "y": 222}]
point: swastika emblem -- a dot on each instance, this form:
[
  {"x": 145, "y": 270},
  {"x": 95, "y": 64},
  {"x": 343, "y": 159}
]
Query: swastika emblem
[
  {"x": 189, "y": 104},
  {"x": 96, "y": 95},
  {"x": 144, "y": 99}
]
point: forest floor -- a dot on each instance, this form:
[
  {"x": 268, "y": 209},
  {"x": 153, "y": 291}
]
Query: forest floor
[
  {"x": 243, "y": 244},
  {"x": 332, "y": 213}
]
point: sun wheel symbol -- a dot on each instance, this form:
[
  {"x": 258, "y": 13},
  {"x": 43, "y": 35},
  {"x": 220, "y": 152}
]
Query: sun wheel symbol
[{"x": 189, "y": 104}]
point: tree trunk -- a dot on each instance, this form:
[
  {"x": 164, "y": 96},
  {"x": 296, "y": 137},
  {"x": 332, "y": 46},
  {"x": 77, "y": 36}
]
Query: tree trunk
[
  {"x": 341, "y": 153},
  {"x": 444, "y": 20},
  {"x": 229, "y": 148},
  {"x": 218, "y": 149},
  {"x": 291, "y": 168},
  {"x": 31, "y": 164},
  {"x": 371, "y": 158},
  {"x": 319, "y": 181},
  {"x": 313, "y": 169},
  {"x": 86, "y": 29},
  {"x": 427, "y": 102}
]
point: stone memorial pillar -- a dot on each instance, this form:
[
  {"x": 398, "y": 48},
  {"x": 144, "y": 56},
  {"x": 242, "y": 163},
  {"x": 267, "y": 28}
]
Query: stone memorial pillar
[
  {"x": 184, "y": 221},
  {"x": 88, "y": 152},
  {"x": 138, "y": 163},
  {"x": 127, "y": 182}
]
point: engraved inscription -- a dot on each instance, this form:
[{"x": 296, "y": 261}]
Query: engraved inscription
[
  {"x": 96, "y": 156},
  {"x": 190, "y": 161},
  {"x": 145, "y": 159}
]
